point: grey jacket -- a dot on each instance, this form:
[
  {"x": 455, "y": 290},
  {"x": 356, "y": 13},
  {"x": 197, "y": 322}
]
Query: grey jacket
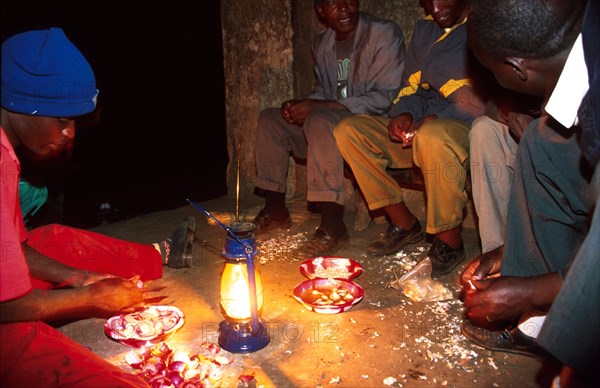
[{"x": 375, "y": 71}]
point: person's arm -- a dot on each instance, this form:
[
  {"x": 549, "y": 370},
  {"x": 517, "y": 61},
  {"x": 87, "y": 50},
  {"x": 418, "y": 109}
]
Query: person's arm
[
  {"x": 101, "y": 299},
  {"x": 52, "y": 271}
]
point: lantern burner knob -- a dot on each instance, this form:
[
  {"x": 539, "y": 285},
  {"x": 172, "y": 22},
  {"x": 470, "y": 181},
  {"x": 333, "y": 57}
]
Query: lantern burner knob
[{"x": 242, "y": 229}]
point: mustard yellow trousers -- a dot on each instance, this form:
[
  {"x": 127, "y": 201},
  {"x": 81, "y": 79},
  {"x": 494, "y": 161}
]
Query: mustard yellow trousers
[{"x": 440, "y": 149}]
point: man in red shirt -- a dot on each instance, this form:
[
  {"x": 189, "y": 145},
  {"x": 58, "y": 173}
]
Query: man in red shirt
[{"x": 56, "y": 273}]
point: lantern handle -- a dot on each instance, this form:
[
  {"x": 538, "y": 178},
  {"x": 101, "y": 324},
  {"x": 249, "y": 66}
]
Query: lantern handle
[{"x": 247, "y": 248}]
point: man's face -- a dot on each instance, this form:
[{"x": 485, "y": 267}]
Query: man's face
[
  {"x": 446, "y": 13},
  {"x": 339, "y": 15},
  {"x": 43, "y": 136}
]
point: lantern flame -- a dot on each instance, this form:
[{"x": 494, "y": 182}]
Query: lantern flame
[{"x": 235, "y": 293}]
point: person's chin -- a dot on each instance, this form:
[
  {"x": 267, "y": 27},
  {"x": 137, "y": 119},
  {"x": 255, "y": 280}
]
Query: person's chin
[
  {"x": 46, "y": 152},
  {"x": 444, "y": 22}
]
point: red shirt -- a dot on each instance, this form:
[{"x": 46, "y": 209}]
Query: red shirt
[{"x": 14, "y": 272}]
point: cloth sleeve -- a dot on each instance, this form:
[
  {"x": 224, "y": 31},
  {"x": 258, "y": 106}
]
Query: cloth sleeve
[{"x": 14, "y": 272}]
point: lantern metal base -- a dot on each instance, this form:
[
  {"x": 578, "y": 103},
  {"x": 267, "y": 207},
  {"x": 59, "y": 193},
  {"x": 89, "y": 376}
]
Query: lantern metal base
[{"x": 240, "y": 337}]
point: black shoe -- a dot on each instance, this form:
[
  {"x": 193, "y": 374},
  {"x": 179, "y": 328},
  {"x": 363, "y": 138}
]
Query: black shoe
[
  {"x": 444, "y": 258},
  {"x": 507, "y": 340},
  {"x": 395, "y": 238},
  {"x": 265, "y": 222},
  {"x": 322, "y": 244},
  {"x": 180, "y": 245}
]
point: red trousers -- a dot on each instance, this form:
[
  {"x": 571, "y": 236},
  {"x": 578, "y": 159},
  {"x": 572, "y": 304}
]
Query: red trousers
[
  {"x": 95, "y": 252},
  {"x": 33, "y": 354},
  {"x": 37, "y": 355}
]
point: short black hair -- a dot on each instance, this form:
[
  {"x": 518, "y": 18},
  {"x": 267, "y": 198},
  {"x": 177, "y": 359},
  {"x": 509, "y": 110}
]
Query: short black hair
[{"x": 525, "y": 28}]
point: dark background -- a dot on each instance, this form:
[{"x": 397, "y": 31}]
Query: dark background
[{"x": 158, "y": 135}]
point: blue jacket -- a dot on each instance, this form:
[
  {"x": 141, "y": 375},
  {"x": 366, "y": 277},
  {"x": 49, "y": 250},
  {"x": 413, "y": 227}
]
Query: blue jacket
[{"x": 436, "y": 78}]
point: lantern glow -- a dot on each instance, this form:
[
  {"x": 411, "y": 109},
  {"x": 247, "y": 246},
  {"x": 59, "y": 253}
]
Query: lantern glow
[{"x": 235, "y": 292}]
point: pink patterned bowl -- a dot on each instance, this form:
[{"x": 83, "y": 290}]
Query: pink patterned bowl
[
  {"x": 328, "y": 296},
  {"x": 331, "y": 268},
  {"x": 147, "y": 327}
]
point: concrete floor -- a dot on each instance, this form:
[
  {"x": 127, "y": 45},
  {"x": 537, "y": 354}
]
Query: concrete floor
[{"x": 385, "y": 340}]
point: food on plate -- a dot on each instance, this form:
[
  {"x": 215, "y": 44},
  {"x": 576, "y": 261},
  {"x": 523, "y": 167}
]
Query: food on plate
[
  {"x": 327, "y": 296},
  {"x": 332, "y": 273},
  {"x": 150, "y": 323},
  {"x": 330, "y": 268}
]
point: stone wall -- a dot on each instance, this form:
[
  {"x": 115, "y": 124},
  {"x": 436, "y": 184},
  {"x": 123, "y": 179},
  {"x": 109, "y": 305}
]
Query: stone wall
[{"x": 266, "y": 47}]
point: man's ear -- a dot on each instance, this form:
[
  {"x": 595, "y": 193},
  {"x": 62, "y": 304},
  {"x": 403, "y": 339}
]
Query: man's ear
[{"x": 519, "y": 66}]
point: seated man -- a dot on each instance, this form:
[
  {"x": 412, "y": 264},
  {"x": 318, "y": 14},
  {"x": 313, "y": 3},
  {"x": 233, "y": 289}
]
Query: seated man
[
  {"x": 553, "y": 53},
  {"x": 56, "y": 273},
  {"x": 358, "y": 62},
  {"x": 436, "y": 106},
  {"x": 533, "y": 256}
]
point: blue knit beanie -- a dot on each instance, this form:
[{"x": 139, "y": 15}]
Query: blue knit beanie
[{"x": 44, "y": 74}]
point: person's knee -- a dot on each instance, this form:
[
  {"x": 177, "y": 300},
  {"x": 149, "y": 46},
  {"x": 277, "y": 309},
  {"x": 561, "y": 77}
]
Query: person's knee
[
  {"x": 435, "y": 148},
  {"x": 269, "y": 114},
  {"x": 317, "y": 122},
  {"x": 485, "y": 138},
  {"x": 265, "y": 119},
  {"x": 346, "y": 129},
  {"x": 483, "y": 127},
  {"x": 429, "y": 137}
]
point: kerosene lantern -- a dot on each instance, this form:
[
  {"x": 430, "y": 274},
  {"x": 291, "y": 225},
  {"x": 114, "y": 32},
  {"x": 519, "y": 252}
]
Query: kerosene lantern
[{"x": 242, "y": 331}]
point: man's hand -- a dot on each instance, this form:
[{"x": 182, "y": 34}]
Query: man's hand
[
  {"x": 114, "y": 296},
  {"x": 401, "y": 129},
  {"x": 296, "y": 111},
  {"x": 481, "y": 267},
  {"x": 101, "y": 299},
  {"x": 502, "y": 299},
  {"x": 285, "y": 110},
  {"x": 506, "y": 298}
]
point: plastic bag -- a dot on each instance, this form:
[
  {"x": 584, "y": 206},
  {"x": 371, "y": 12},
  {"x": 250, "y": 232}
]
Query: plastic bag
[{"x": 418, "y": 285}]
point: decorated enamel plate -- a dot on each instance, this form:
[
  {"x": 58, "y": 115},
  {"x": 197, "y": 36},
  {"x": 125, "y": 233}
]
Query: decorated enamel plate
[
  {"x": 331, "y": 268},
  {"x": 328, "y": 296},
  {"x": 147, "y": 327}
]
